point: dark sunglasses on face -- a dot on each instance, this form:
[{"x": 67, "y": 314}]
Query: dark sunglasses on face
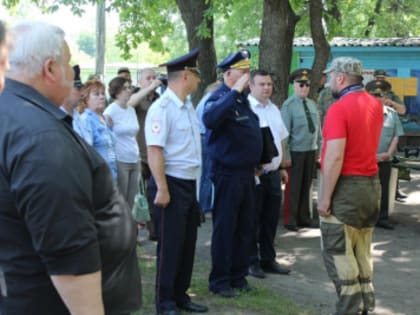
[{"x": 302, "y": 84}]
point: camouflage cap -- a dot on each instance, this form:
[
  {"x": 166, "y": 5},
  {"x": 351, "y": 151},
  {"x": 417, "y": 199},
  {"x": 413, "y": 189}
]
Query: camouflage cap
[{"x": 346, "y": 65}]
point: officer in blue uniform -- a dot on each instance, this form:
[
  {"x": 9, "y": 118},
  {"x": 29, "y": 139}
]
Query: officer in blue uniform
[
  {"x": 235, "y": 145},
  {"x": 174, "y": 156}
]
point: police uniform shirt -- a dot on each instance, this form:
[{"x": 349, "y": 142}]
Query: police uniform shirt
[
  {"x": 269, "y": 115},
  {"x": 392, "y": 128},
  {"x": 294, "y": 118},
  {"x": 173, "y": 125}
]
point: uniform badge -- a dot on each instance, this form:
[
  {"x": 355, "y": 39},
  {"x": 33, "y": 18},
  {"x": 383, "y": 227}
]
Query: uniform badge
[{"x": 156, "y": 127}]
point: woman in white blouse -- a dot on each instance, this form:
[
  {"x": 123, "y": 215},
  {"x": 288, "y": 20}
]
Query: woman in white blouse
[{"x": 125, "y": 126}]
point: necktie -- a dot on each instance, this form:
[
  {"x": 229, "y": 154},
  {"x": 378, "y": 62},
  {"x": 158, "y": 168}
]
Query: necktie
[{"x": 311, "y": 125}]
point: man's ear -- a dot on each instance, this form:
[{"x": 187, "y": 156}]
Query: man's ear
[
  {"x": 341, "y": 78},
  {"x": 49, "y": 70}
]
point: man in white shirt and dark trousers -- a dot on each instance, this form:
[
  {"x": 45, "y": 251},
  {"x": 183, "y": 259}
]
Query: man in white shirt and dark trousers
[
  {"x": 174, "y": 156},
  {"x": 268, "y": 191}
]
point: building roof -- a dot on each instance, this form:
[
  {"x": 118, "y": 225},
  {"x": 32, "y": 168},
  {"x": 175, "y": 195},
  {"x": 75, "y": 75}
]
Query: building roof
[{"x": 349, "y": 42}]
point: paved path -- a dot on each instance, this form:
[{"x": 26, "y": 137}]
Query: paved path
[{"x": 396, "y": 262}]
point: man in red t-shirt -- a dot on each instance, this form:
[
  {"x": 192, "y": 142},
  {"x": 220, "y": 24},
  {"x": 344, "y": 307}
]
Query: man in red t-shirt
[{"x": 348, "y": 202}]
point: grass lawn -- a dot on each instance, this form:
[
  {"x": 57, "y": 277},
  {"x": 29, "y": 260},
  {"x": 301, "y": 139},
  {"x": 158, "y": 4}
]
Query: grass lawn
[{"x": 262, "y": 301}]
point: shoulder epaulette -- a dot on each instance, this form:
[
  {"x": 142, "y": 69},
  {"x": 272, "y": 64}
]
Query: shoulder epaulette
[{"x": 164, "y": 101}]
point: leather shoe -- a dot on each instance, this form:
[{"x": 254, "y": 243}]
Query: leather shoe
[
  {"x": 171, "y": 312},
  {"x": 291, "y": 227},
  {"x": 274, "y": 267},
  {"x": 256, "y": 271},
  {"x": 246, "y": 288},
  {"x": 399, "y": 199},
  {"x": 311, "y": 225},
  {"x": 400, "y": 195},
  {"x": 385, "y": 225},
  {"x": 227, "y": 293},
  {"x": 192, "y": 307}
]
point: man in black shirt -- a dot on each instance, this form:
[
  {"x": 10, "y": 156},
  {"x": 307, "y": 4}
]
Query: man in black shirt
[{"x": 55, "y": 258}]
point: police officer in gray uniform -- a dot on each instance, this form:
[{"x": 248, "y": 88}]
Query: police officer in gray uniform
[{"x": 174, "y": 156}]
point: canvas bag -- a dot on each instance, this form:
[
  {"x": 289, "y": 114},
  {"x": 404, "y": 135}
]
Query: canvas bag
[{"x": 140, "y": 210}]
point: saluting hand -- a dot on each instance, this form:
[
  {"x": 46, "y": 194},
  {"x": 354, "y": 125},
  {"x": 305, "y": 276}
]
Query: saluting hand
[{"x": 242, "y": 83}]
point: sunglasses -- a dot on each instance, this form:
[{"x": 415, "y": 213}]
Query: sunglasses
[{"x": 302, "y": 84}]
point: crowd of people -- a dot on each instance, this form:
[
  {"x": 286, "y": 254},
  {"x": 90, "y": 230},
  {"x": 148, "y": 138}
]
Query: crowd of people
[{"x": 72, "y": 160}]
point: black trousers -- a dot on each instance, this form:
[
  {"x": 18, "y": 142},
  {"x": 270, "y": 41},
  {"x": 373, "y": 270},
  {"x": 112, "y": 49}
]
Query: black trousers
[
  {"x": 303, "y": 164},
  {"x": 232, "y": 229},
  {"x": 176, "y": 230},
  {"x": 267, "y": 210},
  {"x": 384, "y": 177}
]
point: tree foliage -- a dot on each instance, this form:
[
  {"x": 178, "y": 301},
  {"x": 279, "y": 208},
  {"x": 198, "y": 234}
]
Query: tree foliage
[
  {"x": 381, "y": 18},
  {"x": 145, "y": 20},
  {"x": 166, "y": 29},
  {"x": 158, "y": 22},
  {"x": 86, "y": 42}
]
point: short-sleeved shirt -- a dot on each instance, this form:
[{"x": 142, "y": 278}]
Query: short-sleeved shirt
[
  {"x": 100, "y": 136},
  {"x": 125, "y": 127},
  {"x": 392, "y": 128},
  {"x": 172, "y": 125},
  {"x": 269, "y": 116},
  {"x": 358, "y": 118},
  {"x": 296, "y": 122},
  {"x": 47, "y": 224}
]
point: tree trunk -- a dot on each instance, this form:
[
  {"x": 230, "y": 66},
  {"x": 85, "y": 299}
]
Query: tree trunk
[
  {"x": 276, "y": 45},
  {"x": 192, "y": 12},
  {"x": 333, "y": 16},
  {"x": 372, "y": 19},
  {"x": 100, "y": 40},
  {"x": 321, "y": 45}
]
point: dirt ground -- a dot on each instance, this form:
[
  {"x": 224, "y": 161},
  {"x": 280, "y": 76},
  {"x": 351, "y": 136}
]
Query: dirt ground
[{"x": 396, "y": 262}]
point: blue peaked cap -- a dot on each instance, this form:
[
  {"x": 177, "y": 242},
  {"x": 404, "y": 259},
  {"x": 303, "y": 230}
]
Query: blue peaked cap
[
  {"x": 185, "y": 62},
  {"x": 237, "y": 60}
]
